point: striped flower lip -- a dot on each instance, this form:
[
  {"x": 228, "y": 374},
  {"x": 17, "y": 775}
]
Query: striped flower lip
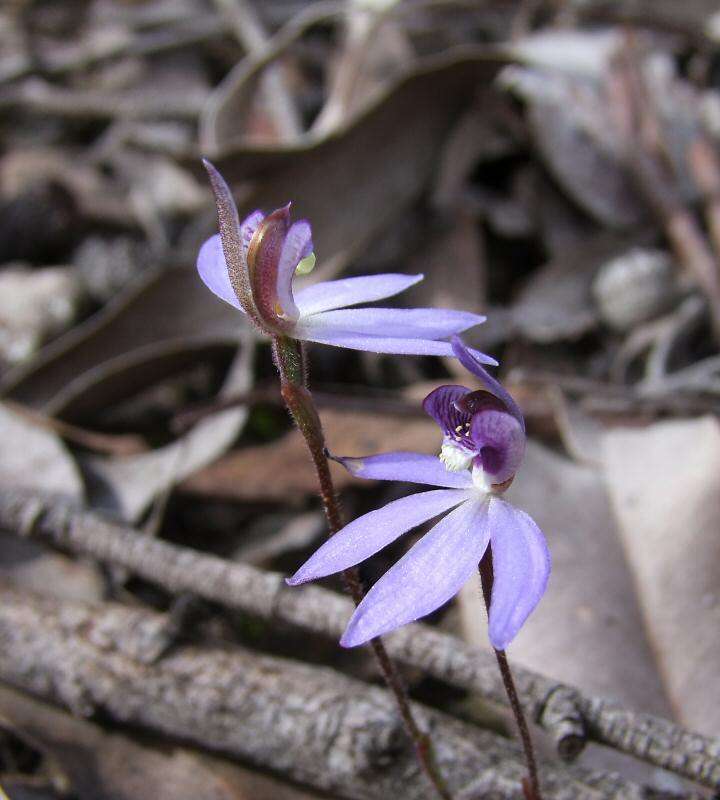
[
  {"x": 251, "y": 265},
  {"x": 473, "y": 514}
]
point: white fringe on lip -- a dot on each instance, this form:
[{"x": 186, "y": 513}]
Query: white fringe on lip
[{"x": 454, "y": 457}]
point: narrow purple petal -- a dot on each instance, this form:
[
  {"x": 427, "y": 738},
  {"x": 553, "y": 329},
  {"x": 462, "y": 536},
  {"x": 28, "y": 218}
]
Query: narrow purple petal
[
  {"x": 521, "y": 565},
  {"x": 430, "y": 574},
  {"x": 500, "y": 440},
  {"x": 469, "y": 359},
  {"x": 400, "y": 323},
  {"x": 410, "y": 467},
  {"x": 329, "y": 295},
  {"x": 440, "y": 405},
  {"x": 368, "y": 534},
  {"x": 375, "y": 344},
  {"x": 297, "y": 245},
  {"x": 214, "y": 273}
]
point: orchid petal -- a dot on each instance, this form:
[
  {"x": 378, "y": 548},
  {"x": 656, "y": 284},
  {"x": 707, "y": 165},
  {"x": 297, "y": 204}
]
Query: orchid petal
[
  {"x": 368, "y": 534},
  {"x": 329, "y": 295},
  {"x": 297, "y": 245},
  {"x": 440, "y": 405},
  {"x": 401, "y": 323},
  {"x": 247, "y": 230},
  {"x": 214, "y": 272},
  {"x": 229, "y": 224},
  {"x": 468, "y": 358},
  {"x": 410, "y": 467},
  {"x": 521, "y": 567},
  {"x": 425, "y": 578},
  {"x": 376, "y": 344},
  {"x": 500, "y": 440}
]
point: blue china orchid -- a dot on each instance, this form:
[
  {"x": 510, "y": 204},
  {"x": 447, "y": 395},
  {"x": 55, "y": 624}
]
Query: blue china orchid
[
  {"x": 251, "y": 265},
  {"x": 483, "y": 446}
]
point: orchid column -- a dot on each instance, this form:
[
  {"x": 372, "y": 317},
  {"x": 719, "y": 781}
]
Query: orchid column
[{"x": 251, "y": 265}]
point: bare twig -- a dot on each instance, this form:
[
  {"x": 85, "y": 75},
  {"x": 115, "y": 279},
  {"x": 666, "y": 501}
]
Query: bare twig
[
  {"x": 278, "y": 99},
  {"x": 312, "y": 724},
  {"x": 560, "y": 709}
]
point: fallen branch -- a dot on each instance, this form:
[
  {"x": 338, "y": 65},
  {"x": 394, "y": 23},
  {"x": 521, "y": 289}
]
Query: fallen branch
[
  {"x": 310, "y": 723},
  {"x": 564, "y": 712}
]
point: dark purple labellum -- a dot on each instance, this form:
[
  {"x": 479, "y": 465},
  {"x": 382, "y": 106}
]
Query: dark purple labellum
[{"x": 479, "y": 400}]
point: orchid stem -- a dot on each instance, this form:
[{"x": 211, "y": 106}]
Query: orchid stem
[
  {"x": 531, "y": 784},
  {"x": 290, "y": 361}
]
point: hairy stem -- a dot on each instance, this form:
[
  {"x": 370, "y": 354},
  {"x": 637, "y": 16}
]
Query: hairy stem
[
  {"x": 531, "y": 784},
  {"x": 290, "y": 361}
]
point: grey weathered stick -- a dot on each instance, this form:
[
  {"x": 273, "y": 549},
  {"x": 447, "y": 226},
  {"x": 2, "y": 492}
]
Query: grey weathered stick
[
  {"x": 560, "y": 709},
  {"x": 310, "y": 723}
]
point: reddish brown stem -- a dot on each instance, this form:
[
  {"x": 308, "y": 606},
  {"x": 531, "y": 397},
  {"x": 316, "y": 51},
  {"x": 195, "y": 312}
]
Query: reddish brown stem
[
  {"x": 290, "y": 362},
  {"x": 530, "y": 784}
]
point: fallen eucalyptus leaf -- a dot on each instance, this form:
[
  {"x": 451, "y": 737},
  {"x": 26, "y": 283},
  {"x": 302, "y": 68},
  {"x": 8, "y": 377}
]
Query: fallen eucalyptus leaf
[{"x": 664, "y": 485}]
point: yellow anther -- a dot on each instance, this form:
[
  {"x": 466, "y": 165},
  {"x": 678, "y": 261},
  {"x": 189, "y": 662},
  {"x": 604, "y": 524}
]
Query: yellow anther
[{"x": 306, "y": 265}]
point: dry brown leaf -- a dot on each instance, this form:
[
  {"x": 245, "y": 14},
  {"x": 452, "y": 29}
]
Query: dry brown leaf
[
  {"x": 359, "y": 180},
  {"x": 664, "y": 482},
  {"x": 165, "y": 305},
  {"x": 128, "y": 484},
  {"x": 33, "y": 457}
]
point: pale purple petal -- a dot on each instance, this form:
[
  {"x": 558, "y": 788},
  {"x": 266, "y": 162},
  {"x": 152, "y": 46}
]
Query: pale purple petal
[
  {"x": 410, "y": 467},
  {"x": 297, "y": 245},
  {"x": 440, "y": 405},
  {"x": 376, "y": 344},
  {"x": 368, "y": 534},
  {"x": 214, "y": 273},
  {"x": 247, "y": 229},
  {"x": 469, "y": 359},
  {"x": 425, "y": 578},
  {"x": 521, "y": 566},
  {"x": 330, "y": 295},
  {"x": 401, "y": 323},
  {"x": 500, "y": 440}
]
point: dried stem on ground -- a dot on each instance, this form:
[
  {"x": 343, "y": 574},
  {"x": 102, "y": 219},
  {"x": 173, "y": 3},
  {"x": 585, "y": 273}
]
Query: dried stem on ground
[
  {"x": 310, "y": 723},
  {"x": 568, "y": 715}
]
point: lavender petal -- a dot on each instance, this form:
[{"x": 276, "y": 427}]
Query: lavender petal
[
  {"x": 297, "y": 245},
  {"x": 410, "y": 467},
  {"x": 329, "y": 295},
  {"x": 469, "y": 359},
  {"x": 214, "y": 273},
  {"x": 425, "y": 578},
  {"x": 400, "y": 323},
  {"x": 521, "y": 566},
  {"x": 375, "y": 344},
  {"x": 247, "y": 229},
  {"x": 368, "y": 534}
]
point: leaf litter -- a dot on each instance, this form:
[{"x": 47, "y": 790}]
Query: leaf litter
[{"x": 559, "y": 181}]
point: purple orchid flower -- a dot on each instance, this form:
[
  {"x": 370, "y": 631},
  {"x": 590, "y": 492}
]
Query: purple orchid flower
[
  {"x": 483, "y": 445},
  {"x": 251, "y": 265}
]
